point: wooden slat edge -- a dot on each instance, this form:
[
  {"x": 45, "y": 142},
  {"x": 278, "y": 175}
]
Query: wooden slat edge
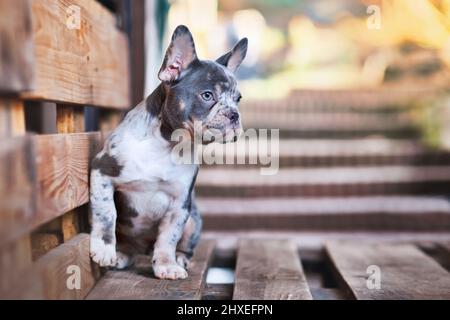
[
  {"x": 57, "y": 182},
  {"x": 263, "y": 267},
  {"x": 65, "y": 272},
  {"x": 80, "y": 55},
  {"x": 405, "y": 272},
  {"x": 63, "y": 162},
  {"x": 16, "y": 61},
  {"x": 140, "y": 283}
]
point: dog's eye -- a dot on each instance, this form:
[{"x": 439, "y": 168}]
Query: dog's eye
[
  {"x": 239, "y": 98},
  {"x": 207, "y": 95}
]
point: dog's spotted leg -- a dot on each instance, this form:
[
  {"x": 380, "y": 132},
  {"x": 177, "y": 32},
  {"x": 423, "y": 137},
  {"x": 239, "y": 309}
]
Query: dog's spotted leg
[
  {"x": 170, "y": 231},
  {"x": 190, "y": 238},
  {"x": 103, "y": 210}
]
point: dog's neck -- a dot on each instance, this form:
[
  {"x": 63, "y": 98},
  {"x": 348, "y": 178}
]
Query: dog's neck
[{"x": 146, "y": 121}]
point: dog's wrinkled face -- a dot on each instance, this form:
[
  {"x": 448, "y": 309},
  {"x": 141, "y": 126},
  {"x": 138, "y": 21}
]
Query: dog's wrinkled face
[{"x": 201, "y": 96}]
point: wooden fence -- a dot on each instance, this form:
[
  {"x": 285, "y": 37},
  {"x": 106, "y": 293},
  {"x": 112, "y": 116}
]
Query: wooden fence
[{"x": 47, "y": 56}]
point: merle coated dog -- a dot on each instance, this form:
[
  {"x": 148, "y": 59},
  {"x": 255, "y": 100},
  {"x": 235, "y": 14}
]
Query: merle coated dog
[{"x": 141, "y": 199}]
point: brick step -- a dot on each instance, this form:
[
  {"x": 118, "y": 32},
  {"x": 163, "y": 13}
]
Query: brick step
[
  {"x": 327, "y": 153},
  {"x": 327, "y": 214},
  {"x": 324, "y": 182}
]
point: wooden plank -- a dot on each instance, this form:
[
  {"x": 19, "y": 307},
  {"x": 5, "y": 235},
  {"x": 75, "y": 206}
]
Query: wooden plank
[
  {"x": 327, "y": 294},
  {"x": 140, "y": 283},
  {"x": 15, "y": 261},
  {"x": 218, "y": 291},
  {"x": 406, "y": 272},
  {"x": 16, "y": 46},
  {"x": 17, "y": 186},
  {"x": 269, "y": 270},
  {"x": 63, "y": 162},
  {"x": 55, "y": 275},
  {"x": 83, "y": 63},
  {"x": 12, "y": 117},
  {"x": 58, "y": 166},
  {"x": 70, "y": 119},
  {"x": 43, "y": 243},
  {"x": 17, "y": 190}
]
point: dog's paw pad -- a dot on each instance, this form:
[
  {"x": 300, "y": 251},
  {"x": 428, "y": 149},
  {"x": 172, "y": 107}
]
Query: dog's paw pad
[
  {"x": 102, "y": 253},
  {"x": 169, "y": 271}
]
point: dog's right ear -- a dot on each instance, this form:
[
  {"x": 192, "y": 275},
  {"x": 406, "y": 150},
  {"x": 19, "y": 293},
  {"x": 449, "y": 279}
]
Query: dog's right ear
[{"x": 179, "y": 55}]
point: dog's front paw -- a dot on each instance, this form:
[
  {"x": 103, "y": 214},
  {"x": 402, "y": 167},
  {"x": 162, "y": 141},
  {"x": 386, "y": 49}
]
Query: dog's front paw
[
  {"x": 102, "y": 253},
  {"x": 183, "y": 260},
  {"x": 169, "y": 271}
]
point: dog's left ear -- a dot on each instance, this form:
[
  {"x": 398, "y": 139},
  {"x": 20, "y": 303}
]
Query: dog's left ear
[
  {"x": 179, "y": 55},
  {"x": 233, "y": 59}
]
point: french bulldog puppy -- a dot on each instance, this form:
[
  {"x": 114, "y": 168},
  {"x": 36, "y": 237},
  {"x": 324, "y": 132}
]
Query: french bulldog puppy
[{"x": 142, "y": 200}]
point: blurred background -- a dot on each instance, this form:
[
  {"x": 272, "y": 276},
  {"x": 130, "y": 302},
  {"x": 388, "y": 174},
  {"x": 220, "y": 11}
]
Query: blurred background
[{"x": 396, "y": 46}]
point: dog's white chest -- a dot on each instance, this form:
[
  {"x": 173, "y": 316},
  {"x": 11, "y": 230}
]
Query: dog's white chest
[{"x": 152, "y": 181}]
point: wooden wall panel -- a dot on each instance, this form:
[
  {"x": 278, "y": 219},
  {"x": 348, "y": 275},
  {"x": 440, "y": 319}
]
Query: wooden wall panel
[
  {"x": 16, "y": 46},
  {"x": 83, "y": 63}
]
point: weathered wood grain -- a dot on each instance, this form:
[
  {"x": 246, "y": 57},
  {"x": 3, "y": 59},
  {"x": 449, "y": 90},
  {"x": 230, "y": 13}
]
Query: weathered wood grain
[
  {"x": 17, "y": 190},
  {"x": 69, "y": 119},
  {"x": 218, "y": 291},
  {"x": 406, "y": 272},
  {"x": 42, "y": 178},
  {"x": 269, "y": 269},
  {"x": 44, "y": 242},
  {"x": 12, "y": 117},
  {"x": 16, "y": 46},
  {"x": 83, "y": 63},
  {"x": 17, "y": 186},
  {"x": 62, "y": 171},
  {"x": 15, "y": 261},
  {"x": 140, "y": 283},
  {"x": 53, "y": 275}
]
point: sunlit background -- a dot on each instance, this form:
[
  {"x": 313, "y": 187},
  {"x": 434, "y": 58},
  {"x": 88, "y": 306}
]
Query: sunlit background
[{"x": 325, "y": 44}]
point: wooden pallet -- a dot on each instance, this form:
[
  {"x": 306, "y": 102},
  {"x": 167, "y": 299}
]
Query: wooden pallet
[{"x": 275, "y": 270}]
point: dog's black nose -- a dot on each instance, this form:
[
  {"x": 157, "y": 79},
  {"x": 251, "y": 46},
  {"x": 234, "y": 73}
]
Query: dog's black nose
[{"x": 234, "y": 117}]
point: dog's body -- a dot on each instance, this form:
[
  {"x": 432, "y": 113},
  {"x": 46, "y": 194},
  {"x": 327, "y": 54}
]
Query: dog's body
[{"x": 135, "y": 181}]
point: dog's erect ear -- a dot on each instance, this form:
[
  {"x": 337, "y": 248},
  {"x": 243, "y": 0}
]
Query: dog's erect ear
[
  {"x": 179, "y": 55},
  {"x": 233, "y": 59}
]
